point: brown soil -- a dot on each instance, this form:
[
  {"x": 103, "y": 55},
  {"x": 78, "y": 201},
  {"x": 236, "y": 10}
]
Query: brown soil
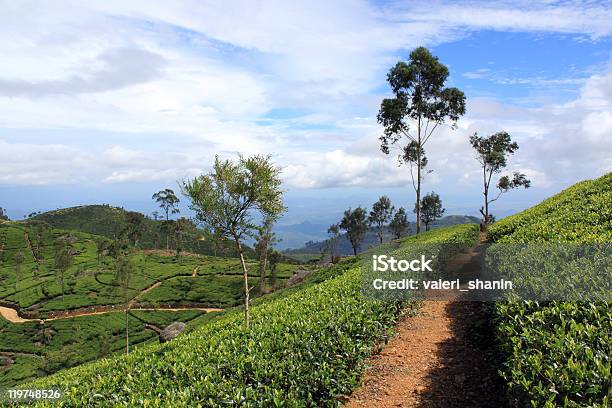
[
  {"x": 435, "y": 360},
  {"x": 12, "y": 316},
  {"x": 168, "y": 253}
]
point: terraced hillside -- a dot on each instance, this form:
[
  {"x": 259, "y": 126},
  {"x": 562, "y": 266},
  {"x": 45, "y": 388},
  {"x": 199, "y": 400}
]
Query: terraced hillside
[
  {"x": 58, "y": 329},
  {"x": 306, "y": 347},
  {"x": 559, "y": 353}
]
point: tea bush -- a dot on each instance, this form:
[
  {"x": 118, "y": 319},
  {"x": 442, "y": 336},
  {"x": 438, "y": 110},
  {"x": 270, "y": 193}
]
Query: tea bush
[
  {"x": 306, "y": 347},
  {"x": 558, "y": 353}
]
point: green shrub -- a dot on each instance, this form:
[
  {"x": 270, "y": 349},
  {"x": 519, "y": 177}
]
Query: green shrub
[
  {"x": 305, "y": 347},
  {"x": 558, "y": 353}
]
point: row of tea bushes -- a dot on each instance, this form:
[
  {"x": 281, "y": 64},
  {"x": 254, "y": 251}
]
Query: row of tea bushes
[
  {"x": 306, "y": 348},
  {"x": 558, "y": 353}
]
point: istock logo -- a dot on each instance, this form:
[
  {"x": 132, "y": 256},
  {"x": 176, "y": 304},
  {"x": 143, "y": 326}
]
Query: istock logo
[{"x": 384, "y": 263}]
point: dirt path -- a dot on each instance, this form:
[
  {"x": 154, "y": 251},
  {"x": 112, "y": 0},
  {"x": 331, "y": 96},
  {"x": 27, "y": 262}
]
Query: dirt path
[
  {"x": 436, "y": 359},
  {"x": 141, "y": 293},
  {"x": 12, "y": 316}
]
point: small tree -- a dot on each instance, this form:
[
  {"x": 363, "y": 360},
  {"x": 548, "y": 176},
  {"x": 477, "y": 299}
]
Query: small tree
[
  {"x": 381, "y": 213},
  {"x": 431, "y": 209},
  {"x": 225, "y": 199},
  {"x": 19, "y": 258},
  {"x": 3, "y": 215},
  {"x": 420, "y": 97},
  {"x": 355, "y": 223},
  {"x": 274, "y": 257},
  {"x": 124, "y": 270},
  {"x": 334, "y": 235},
  {"x": 399, "y": 224},
  {"x": 181, "y": 228},
  {"x": 492, "y": 154},
  {"x": 64, "y": 254},
  {"x": 168, "y": 202},
  {"x": 135, "y": 226},
  {"x": 265, "y": 239},
  {"x": 102, "y": 247}
]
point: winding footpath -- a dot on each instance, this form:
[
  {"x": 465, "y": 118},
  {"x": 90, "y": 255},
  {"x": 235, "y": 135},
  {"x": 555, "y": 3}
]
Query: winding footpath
[{"x": 435, "y": 359}]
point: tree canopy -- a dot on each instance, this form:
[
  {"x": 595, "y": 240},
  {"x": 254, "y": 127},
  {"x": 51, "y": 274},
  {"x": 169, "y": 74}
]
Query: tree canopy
[
  {"x": 355, "y": 223},
  {"x": 431, "y": 209},
  {"x": 399, "y": 224},
  {"x": 228, "y": 199},
  {"x": 492, "y": 152},
  {"x": 420, "y": 100},
  {"x": 381, "y": 213}
]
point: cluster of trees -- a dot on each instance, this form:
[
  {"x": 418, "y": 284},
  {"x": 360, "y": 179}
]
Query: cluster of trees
[
  {"x": 421, "y": 104},
  {"x": 383, "y": 217}
]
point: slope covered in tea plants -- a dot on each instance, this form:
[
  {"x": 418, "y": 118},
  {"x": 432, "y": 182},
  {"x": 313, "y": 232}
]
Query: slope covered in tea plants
[
  {"x": 305, "y": 347},
  {"x": 30, "y": 283},
  {"x": 559, "y": 353}
]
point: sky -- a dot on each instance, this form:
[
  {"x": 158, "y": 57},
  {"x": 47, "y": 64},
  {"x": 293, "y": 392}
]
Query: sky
[{"x": 110, "y": 101}]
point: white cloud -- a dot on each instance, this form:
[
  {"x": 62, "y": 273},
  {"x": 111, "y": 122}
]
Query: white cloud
[{"x": 198, "y": 75}]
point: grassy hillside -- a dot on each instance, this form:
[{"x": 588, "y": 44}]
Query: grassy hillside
[
  {"x": 108, "y": 221},
  {"x": 559, "y": 353},
  {"x": 33, "y": 286},
  {"x": 306, "y": 347}
]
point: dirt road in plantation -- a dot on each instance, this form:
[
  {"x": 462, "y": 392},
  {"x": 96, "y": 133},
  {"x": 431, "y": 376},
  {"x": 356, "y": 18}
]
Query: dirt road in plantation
[
  {"x": 440, "y": 358},
  {"x": 11, "y": 315}
]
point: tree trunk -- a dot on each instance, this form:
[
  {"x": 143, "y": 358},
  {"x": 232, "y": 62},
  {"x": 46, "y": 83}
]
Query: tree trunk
[
  {"x": 418, "y": 192},
  {"x": 246, "y": 282},
  {"x": 263, "y": 261},
  {"x": 127, "y": 332},
  {"x": 354, "y": 250},
  {"x": 486, "y": 196}
]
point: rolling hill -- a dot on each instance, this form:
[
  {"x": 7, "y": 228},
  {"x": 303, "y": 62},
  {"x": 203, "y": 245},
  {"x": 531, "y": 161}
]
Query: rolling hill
[
  {"x": 108, "y": 221},
  {"x": 85, "y": 321}
]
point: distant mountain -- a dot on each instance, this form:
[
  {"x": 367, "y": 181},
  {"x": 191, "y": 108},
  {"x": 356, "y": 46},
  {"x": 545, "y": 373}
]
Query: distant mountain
[
  {"x": 108, "y": 221},
  {"x": 296, "y": 235},
  {"x": 314, "y": 248}
]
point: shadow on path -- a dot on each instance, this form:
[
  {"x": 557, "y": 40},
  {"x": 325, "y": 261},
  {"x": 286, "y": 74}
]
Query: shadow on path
[{"x": 466, "y": 375}]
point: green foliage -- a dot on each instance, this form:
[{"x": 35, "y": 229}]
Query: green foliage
[
  {"x": 431, "y": 209},
  {"x": 381, "y": 213},
  {"x": 355, "y": 223},
  {"x": 306, "y": 347},
  {"x": 399, "y": 225},
  {"x": 419, "y": 96},
  {"x": 167, "y": 201},
  {"x": 581, "y": 213},
  {"x": 558, "y": 353},
  {"x": 227, "y": 199},
  {"x": 110, "y": 222},
  {"x": 492, "y": 154},
  {"x": 90, "y": 282}
]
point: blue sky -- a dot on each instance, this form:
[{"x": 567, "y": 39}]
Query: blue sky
[{"x": 108, "y": 101}]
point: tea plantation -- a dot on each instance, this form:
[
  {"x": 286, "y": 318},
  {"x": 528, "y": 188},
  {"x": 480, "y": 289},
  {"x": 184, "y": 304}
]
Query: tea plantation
[
  {"x": 559, "y": 353},
  {"x": 31, "y": 283},
  {"x": 306, "y": 347}
]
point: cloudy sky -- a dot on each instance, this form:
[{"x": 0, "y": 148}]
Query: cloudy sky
[{"x": 109, "y": 101}]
